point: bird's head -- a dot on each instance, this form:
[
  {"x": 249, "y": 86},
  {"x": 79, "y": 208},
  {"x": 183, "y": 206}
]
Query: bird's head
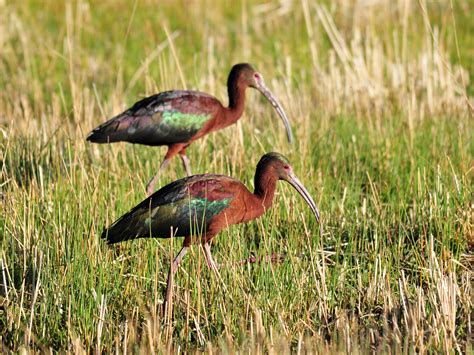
[
  {"x": 246, "y": 76},
  {"x": 280, "y": 167}
]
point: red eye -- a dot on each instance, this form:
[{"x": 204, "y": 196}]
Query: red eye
[
  {"x": 286, "y": 167},
  {"x": 257, "y": 76}
]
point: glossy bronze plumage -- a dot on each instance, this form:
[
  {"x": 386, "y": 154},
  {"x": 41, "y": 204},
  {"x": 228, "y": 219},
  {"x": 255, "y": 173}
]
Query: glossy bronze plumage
[
  {"x": 200, "y": 206},
  {"x": 177, "y": 118}
]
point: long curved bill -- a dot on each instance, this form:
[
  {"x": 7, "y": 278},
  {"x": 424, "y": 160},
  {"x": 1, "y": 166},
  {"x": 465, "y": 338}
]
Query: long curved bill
[
  {"x": 276, "y": 105},
  {"x": 296, "y": 183}
]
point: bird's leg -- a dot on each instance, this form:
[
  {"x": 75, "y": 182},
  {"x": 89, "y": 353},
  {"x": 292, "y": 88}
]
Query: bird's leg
[
  {"x": 212, "y": 264},
  {"x": 210, "y": 261},
  {"x": 185, "y": 160},
  {"x": 169, "y": 280},
  {"x": 151, "y": 184},
  {"x": 172, "y": 151}
]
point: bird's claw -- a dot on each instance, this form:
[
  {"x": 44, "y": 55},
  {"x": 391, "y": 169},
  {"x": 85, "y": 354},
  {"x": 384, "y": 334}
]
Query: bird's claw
[{"x": 274, "y": 258}]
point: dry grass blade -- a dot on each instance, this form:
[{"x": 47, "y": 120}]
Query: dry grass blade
[{"x": 380, "y": 102}]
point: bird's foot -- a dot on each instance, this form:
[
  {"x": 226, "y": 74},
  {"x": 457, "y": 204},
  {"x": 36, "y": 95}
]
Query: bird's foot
[{"x": 274, "y": 259}]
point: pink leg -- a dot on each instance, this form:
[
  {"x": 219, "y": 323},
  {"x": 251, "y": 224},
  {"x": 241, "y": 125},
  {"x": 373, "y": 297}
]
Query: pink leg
[
  {"x": 212, "y": 264},
  {"x": 151, "y": 184},
  {"x": 169, "y": 281},
  {"x": 210, "y": 261},
  {"x": 186, "y": 164},
  {"x": 172, "y": 151}
]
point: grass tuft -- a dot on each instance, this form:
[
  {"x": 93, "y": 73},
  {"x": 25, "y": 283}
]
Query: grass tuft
[{"x": 380, "y": 100}]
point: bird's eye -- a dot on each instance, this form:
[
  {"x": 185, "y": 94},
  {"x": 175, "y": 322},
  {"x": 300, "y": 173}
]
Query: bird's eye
[
  {"x": 257, "y": 76},
  {"x": 286, "y": 167}
]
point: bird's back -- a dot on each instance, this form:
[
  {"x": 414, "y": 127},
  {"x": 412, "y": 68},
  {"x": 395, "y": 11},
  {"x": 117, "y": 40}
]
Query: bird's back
[
  {"x": 183, "y": 208},
  {"x": 162, "y": 119}
]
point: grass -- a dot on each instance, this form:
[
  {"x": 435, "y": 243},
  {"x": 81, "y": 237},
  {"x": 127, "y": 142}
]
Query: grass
[{"x": 378, "y": 97}]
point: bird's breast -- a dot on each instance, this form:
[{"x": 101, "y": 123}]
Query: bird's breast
[{"x": 241, "y": 210}]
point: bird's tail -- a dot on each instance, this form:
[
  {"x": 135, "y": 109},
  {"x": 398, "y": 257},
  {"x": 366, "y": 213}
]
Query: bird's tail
[
  {"x": 110, "y": 131},
  {"x": 111, "y": 237},
  {"x": 125, "y": 228}
]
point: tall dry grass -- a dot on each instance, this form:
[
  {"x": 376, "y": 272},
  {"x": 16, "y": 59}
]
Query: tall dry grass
[{"x": 379, "y": 97}]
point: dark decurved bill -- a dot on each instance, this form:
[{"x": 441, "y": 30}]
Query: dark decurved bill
[
  {"x": 296, "y": 183},
  {"x": 276, "y": 105}
]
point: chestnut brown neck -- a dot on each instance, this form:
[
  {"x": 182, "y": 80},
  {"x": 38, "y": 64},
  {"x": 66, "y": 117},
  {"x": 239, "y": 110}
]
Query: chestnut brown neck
[
  {"x": 265, "y": 185},
  {"x": 261, "y": 200},
  {"x": 236, "y": 91}
]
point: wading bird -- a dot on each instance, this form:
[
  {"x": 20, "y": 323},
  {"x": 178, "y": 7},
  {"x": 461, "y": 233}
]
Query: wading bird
[
  {"x": 200, "y": 206},
  {"x": 177, "y": 118}
]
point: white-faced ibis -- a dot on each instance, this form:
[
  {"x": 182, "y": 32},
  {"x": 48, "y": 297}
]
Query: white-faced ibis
[
  {"x": 177, "y": 118},
  {"x": 200, "y": 206}
]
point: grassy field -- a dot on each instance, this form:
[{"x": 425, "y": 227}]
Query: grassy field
[{"x": 380, "y": 101}]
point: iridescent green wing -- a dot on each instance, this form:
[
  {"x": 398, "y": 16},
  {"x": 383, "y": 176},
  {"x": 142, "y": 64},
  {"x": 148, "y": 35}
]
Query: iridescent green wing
[
  {"x": 162, "y": 119},
  {"x": 184, "y": 207}
]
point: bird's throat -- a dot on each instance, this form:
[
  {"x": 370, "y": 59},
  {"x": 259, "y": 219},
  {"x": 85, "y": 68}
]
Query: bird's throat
[
  {"x": 236, "y": 106},
  {"x": 265, "y": 185}
]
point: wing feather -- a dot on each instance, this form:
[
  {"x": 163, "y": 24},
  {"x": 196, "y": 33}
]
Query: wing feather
[
  {"x": 184, "y": 207},
  {"x": 166, "y": 118}
]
